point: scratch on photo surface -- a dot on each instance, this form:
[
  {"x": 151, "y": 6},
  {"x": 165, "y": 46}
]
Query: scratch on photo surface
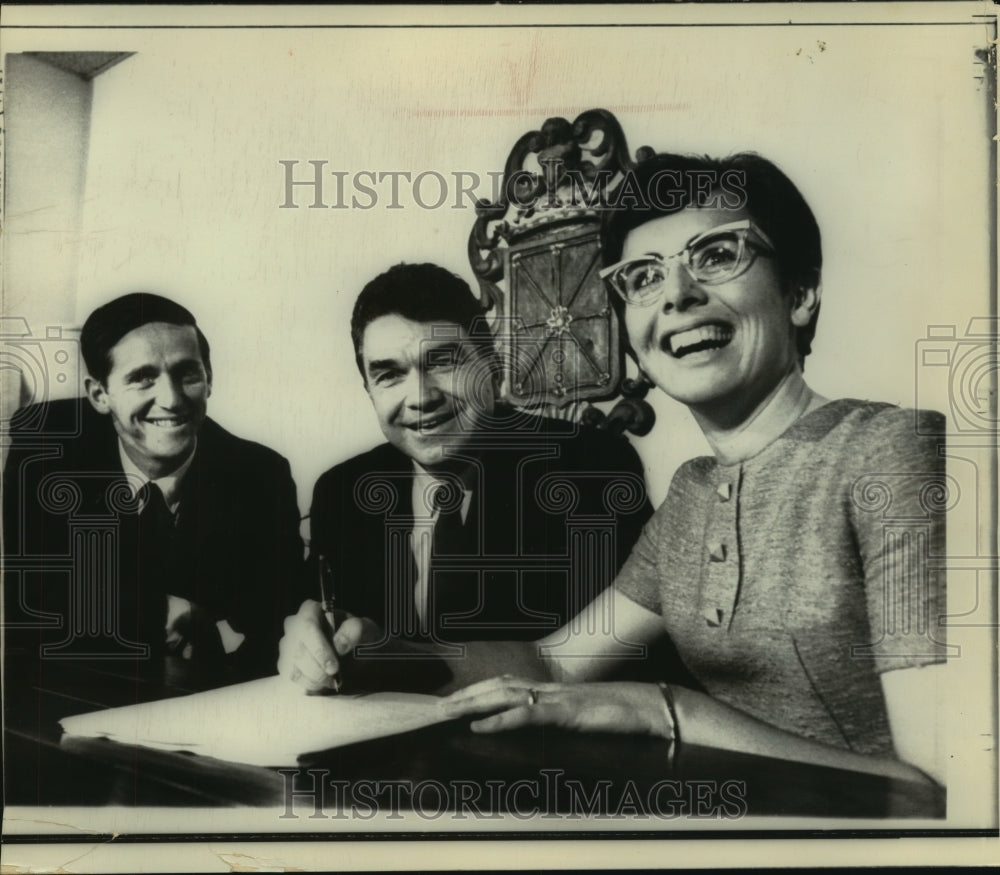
[
  {"x": 246, "y": 863},
  {"x": 16, "y": 869},
  {"x": 57, "y": 823}
]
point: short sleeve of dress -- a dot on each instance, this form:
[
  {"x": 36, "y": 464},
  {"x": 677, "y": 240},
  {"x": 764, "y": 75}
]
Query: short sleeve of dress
[
  {"x": 659, "y": 558},
  {"x": 638, "y": 579},
  {"x": 898, "y": 504}
]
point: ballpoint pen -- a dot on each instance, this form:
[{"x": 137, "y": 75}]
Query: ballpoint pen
[{"x": 327, "y": 600}]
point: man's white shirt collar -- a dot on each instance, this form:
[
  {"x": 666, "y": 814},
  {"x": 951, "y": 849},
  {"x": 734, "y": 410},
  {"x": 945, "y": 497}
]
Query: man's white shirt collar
[
  {"x": 423, "y": 492},
  {"x": 170, "y": 485}
]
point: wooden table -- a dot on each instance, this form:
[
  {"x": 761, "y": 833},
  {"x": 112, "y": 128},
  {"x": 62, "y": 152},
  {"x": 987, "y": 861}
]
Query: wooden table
[{"x": 524, "y": 772}]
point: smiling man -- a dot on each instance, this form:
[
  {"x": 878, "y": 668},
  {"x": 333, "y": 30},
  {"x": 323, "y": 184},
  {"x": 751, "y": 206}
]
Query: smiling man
[
  {"x": 461, "y": 526},
  {"x": 156, "y": 530}
]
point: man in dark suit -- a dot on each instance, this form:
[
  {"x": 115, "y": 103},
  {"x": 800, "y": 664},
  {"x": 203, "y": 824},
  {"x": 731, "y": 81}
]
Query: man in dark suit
[
  {"x": 475, "y": 521},
  {"x": 134, "y": 526}
]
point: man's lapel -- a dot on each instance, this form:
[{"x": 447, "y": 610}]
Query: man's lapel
[
  {"x": 205, "y": 503},
  {"x": 102, "y": 481}
]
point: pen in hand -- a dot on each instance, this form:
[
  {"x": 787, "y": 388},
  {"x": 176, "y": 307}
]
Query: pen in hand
[{"x": 327, "y": 600}]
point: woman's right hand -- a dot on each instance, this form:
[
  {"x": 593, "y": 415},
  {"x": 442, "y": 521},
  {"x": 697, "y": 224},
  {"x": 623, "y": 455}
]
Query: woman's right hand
[{"x": 597, "y": 707}]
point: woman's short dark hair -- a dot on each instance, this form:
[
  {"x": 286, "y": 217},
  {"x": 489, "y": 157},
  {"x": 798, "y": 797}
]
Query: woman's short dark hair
[
  {"x": 111, "y": 322},
  {"x": 666, "y": 183},
  {"x": 422, "y": 293}
]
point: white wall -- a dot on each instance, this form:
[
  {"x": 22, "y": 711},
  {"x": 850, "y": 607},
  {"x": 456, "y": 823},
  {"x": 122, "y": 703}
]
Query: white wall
[
  {"x": 47, "y": 119},
  {"x": 882, "y": 128},
  {"x": 47, "y": 115}
]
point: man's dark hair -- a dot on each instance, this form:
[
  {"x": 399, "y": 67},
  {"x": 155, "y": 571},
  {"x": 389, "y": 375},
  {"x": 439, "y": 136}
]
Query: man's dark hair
[
  {"x": 668, "y": 183},
  {"x": 422, "y": 293},
  {"x": 111, "y": 322}
]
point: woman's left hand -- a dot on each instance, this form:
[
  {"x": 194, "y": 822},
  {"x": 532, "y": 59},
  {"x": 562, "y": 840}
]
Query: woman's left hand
[{"x": 601, "y": 707}]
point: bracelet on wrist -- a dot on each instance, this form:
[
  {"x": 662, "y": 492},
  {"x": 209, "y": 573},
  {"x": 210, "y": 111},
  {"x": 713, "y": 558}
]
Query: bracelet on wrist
[{"x": 668, "y": 698}]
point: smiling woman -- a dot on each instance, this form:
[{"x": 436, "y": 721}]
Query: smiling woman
[
  {"x": 717, "y": 344},
  {"x": 802, "y": 618}
]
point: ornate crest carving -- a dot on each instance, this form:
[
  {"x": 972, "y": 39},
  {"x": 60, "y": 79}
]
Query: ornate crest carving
[{"x": 537, "y": 254}]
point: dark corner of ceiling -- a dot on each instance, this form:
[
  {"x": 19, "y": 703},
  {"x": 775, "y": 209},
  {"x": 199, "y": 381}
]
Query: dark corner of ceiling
[{"x": 86, "y": 65}]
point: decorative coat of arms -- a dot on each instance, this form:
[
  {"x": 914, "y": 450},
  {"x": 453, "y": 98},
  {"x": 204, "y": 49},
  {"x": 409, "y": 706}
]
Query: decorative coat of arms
[{"x": 537, "y": 252}]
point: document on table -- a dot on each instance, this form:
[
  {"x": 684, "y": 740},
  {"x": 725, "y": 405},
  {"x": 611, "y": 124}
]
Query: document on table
[{"x": 267, "y": 722}]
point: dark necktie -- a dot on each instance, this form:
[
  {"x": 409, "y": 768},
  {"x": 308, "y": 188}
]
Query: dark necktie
[
  {"x": 156, "y": 553},
  {"x": 156, "y": 522},
  {"x": 452, "y": 587},
  {"x": 450, "y": 537}
]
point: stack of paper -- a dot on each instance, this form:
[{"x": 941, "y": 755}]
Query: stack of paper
[{"x": 267, "y": 722}]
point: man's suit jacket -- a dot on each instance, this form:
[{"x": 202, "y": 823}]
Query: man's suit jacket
[
  {"x": 71, "y": 529},
  {"x": 556, "y": 508}
]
